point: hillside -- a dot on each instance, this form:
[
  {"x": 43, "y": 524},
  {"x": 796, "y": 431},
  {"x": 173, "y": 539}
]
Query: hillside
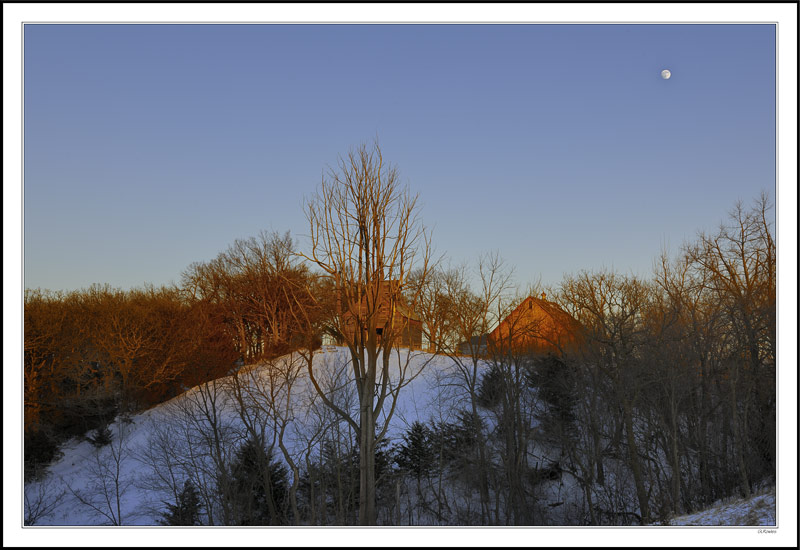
[
  {"x": 90, "y": 473},
  {"x": 151, "y": 453}
]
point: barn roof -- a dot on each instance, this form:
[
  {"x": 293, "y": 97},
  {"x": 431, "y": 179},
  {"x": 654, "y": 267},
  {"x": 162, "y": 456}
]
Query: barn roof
[
  {"x": 560, "y": 317},
  {"x": 553, "y": 310}
]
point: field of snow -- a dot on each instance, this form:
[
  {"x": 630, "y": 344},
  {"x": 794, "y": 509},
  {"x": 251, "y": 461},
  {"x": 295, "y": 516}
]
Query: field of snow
[{"x": 76, "y": 487}]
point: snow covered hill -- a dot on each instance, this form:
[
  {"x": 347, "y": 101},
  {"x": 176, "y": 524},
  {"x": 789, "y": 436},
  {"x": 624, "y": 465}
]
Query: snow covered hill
[{"x": 81, "y": 488}]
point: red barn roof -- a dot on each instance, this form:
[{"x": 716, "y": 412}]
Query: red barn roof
[{"x": 536, "y": 326}]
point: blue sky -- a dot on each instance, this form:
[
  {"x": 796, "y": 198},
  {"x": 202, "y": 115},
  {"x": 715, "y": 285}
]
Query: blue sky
[{"x": 149, "y": 147}]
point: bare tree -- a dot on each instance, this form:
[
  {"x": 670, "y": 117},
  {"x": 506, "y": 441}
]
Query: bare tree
[
  {"x": 266, "y": 398},
  {"x": 213, "y": 283},
  {"x": 211, "y": 438},
  {"x": 164, "y": 455},
  {"x": 107, "y": 482},
  {"x": 367, "y": 238},
  {"x": 473, "y": 315},
  {"x": 194, "y": 438},
  {"x": 506, "y": 391},
  {"x": 739, "y": 265},
  {"x": 41, "y": 499},
  {"x": 611, "y": 306},
  {"x": 247, "y": 283},
  {"x": 437, "y": 309}
]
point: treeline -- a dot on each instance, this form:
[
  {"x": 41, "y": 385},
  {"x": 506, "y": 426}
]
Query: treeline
[
  {"x": 269, "y": 302},
  {"x": 667, "y": 403},
  {"x": 681, "y": 369},
  {"x": 94, "y": 353}
]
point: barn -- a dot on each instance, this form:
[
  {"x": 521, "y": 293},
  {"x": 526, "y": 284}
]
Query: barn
[
  {"x": 394, "y": 315},
  {"x": 536, "y": 326}
]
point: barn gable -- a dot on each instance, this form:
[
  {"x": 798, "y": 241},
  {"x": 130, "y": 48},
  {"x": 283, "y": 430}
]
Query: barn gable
[{"x": 536, "y": 326}]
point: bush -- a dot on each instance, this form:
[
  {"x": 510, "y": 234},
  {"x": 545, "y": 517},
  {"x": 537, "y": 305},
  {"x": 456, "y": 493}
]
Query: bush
[
  {"x": 100, "y": 437},
  {"x": 556, "y": 385},
  {"x": 257, "y": 493},
  {"x": 490, "y": 391},
  {"x": 186, "y": 511},
  {"x": 416, "y": 455}
]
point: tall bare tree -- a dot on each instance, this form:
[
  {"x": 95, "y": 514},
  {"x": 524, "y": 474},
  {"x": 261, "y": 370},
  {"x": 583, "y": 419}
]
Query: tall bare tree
[
  {"x": 739, "y": 264},
  {"x": 367, "y": 238},
  {"x": 610, "y": 307},
  {"x": 472, "y": 314},
  {"x": 107, "y": 480}
]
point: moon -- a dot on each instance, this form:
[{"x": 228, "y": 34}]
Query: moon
[{"x": 665, "y": 74}]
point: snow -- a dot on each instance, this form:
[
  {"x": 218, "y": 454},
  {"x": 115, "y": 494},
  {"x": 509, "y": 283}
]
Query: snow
[
  {"x": 757, "y": 510},
  {"x": 82, "y": 469}
]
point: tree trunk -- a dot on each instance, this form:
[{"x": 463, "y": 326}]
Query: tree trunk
[
  {"x": 737, "y": 442},
  {"x": 483, "y": 482},
  {"x": 293, "y": 496},
  {"x": 595, "y": 428},
  {"x": 366, "y": 451},
  {"x": 676, "y": 463},
  {"x": 633, "y": 456},
  {"x": 702, "y": 437}
]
